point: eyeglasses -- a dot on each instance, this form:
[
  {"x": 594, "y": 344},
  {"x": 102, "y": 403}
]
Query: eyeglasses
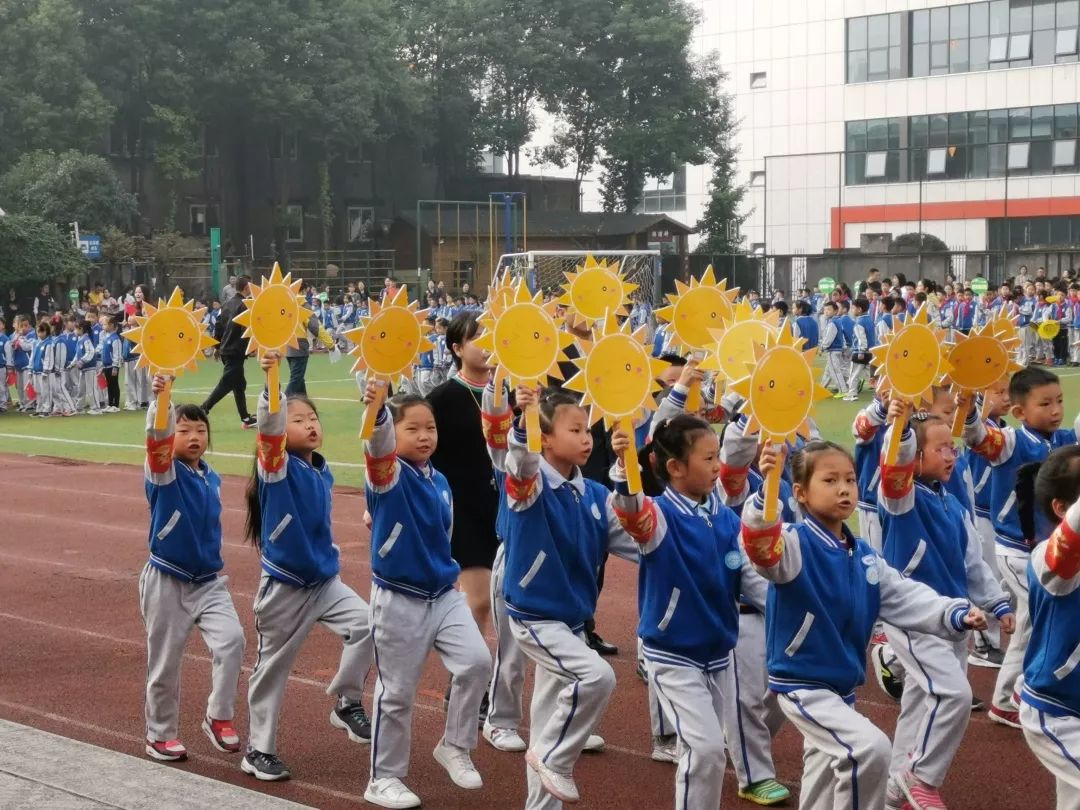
[{"x": 947, "y": 451}]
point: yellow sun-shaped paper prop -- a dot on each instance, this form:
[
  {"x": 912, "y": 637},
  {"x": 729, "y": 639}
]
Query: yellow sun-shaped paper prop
[
  {"x": 910, "y": 362},
  {"x": 732, "y": 345},
  {"x": 617, "y": 378},
  {"x": 779, "y": 397},
  {"x": 979, "y": 361},
  {"x": 275, "y": 319},
  {"x": 694, "y": 310},
  {"x": 387, "y": 343},
  {"x": 593, "y": 290},
  {"x": 523, "y": 337},
  {"x": 169, "y": 339}
]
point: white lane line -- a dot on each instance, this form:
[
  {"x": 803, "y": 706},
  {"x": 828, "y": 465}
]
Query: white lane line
[{"x": 118, "y": 446}]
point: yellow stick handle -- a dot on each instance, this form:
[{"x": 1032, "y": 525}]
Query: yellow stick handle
[
  {"x": 368, "y": 426},
  {"x": 892, "y": 452},
  {"x": 960, "y": 416},
  {"x": 273, "y": 386},
  {"x": 633, "y": 466},
  {"x": 772, "y": 493},
  {"x": 500, "y": 378},
  {"x": 532, "y": 427},
  {"x": 161, "y": 418},
  {"x": 693, "y": 397}
]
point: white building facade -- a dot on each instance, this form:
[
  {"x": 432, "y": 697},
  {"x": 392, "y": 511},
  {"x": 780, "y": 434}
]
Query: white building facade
[{"x": 891, "y": 116}]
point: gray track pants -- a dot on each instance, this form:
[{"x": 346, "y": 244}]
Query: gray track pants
[
  {"x": 171, "y": 608},
  {"x": 284, "y": 615}
]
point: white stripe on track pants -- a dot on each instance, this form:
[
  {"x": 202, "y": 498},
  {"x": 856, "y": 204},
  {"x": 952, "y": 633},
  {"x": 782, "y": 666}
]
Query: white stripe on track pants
[
  {"x": 752, "y": 716},
  {"x": 171, "y": 608},
  {"x": 845, "y": 756},
  {"x": 936, "y": 706},
  {"x": 284, "y": 616},
  {"x": 1056, "y": 742},
  {"x": 1010, "y": 678},
  {"x": 404, "y": 630},
  {"x": 695, "y": 701},
  {"x": 572, "y": 689}
]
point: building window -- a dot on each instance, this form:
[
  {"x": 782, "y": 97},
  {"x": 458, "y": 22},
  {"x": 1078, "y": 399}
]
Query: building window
[
  {"x": 757, "y": 178},
  {"x": 294, "y": 223},
  {"x": 361, "y": 223},
  {"x": 757, "y": 80},
  {"x": 201, "y": 218},
  {"x": 962, "y": 38},
  {"x": 285, "y": 145},
  {"x": 964, "y": 145},
  {"x": 665, "y": 194},
  {"x": 1026, "y": 232}
]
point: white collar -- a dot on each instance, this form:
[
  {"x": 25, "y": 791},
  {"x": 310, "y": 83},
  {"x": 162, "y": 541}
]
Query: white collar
[{"x": 555, "y": 479}]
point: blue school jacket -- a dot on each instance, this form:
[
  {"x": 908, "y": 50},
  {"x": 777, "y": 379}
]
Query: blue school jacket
[
  {"x": 1051, "y": 675},
  {"x": 37, "y": 355},
  {"x": 185, "y": 508},
  {"x": 412, "y": 516},
  {"x": 808, "y": 328},
  {"x": 296, "y": 541}
]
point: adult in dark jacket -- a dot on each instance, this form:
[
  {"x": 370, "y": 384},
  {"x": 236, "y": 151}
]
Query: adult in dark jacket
[
  {"x": 232, "y": 349},
  {"x": 298, "y": 359}
]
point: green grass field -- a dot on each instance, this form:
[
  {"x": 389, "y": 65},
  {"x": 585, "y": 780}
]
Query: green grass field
[{"x": 117, "y": 438}]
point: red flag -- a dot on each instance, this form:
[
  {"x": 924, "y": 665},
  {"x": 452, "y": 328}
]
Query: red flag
[
  {"x": 31, "y": 392},
  {"x": 102, "y": 383},
  {"x": 11, "y": 377}
]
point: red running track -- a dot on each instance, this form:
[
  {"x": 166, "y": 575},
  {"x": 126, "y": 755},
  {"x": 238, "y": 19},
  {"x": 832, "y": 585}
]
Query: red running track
[{"x": 73, "y": 663}]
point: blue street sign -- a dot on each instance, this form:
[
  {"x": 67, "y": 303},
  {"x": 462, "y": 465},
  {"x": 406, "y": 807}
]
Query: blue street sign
[{"x": 90, "y": 245}]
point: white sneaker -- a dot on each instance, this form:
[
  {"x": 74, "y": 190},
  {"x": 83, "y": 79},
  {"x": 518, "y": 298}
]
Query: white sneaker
[
  {"x": 390, "y": 792},
  {"x": 594, "y": 744},
  {"x": 459, "y": 765},
  {"x": 559, "y": 785},
  {"x": 504, "y": 739},
  {"x": 93, "y": 412},
  {"x": 665, "y": 749}
]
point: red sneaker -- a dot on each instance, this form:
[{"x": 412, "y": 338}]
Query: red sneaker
[
  {"x": 921, "y": 795},
  {"x": 878, "y": 638},
  {"x": 166, "y": 750},
  {"x": 222, "y": 734},
  {"x": 1005, "y": 717}
]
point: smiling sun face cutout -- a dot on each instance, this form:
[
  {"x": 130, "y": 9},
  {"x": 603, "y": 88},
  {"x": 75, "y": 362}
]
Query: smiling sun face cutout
[
  {"x": 781, "y": 390},
  {"x": 617, "y": 376},
  {"x": 912, "y": 360},
  {"x": 170, "y": 337},
  {"x": 981, "y": 359},
  {"x": 593, "y": 290},
  {"x": 390, "y": 339},
  {"x": 732, "y": 346},
  {"x": 522, "y": 336},
  {"x": 696, "y": 309},
  {"x": 275, "y": 317}
]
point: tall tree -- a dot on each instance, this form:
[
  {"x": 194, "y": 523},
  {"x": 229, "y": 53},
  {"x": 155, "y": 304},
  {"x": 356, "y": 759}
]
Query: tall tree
[
  {"x": 69, "y": 187},
  {"x": 720, "y": 224},
  {"x": 32, "y": 249},
  {"x": 47, "y": 99}
]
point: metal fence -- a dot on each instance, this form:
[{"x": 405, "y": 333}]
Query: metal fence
[{"x": 767, "y": 273}]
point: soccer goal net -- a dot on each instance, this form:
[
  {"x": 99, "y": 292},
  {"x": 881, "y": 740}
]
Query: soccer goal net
[{"x": 546, "y": 270}]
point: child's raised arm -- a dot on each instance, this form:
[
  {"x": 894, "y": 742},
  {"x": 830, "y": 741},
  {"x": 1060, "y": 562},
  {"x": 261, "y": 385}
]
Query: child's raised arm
[
  {"x": 774, "y": 551},
  {"x": 995, "y": 444},
  {"x": 272, "y": 461},
  {"x": 523, "y": 483},
  {"x": 869, "y": 421},
  {"x": 380, "y": 458},
  {"x": 636, "y": 514},
  {"x": 1057, "y": 562},
  {"x": 159, "y": 469},
  {"x": 737, "y": 452},
  {"x": 496, "y": 423},
  {"x": 896, "y": 489}
]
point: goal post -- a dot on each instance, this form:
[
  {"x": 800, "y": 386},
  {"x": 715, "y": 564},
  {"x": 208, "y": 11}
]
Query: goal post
[{"x": 546, "y": 270}]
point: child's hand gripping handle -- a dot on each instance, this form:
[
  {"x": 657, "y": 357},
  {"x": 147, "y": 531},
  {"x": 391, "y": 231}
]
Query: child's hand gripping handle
[
  {"x": 622, "y": 443},
  {"x": 963, "y": 407},
  {"x": 271, "y": 363},
  {"x": 164, "y": 394},
  {"x": 898, "y": 415},
  {"x": 692, "y": 378},
  {"x": 771, "y": 464},
  {"x": 374, "y": 398}
]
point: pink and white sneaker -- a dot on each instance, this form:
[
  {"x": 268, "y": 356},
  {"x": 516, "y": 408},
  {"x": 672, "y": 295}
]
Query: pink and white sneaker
[
  {"x": 921, "y": 795},
  {"x": 166, "y": 750}
]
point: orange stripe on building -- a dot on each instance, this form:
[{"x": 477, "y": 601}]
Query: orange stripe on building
[{"x": 844, "y": 215}]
